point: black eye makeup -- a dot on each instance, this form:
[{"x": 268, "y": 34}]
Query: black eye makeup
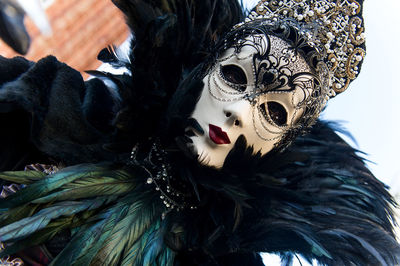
[
  {"x": 235, "y": 75},
  {"x": 276, "y": 112}
]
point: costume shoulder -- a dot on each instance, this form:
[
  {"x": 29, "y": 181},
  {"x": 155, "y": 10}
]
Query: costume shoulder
[
  {"x": 317, "y": 199},
  {"x": 320, "y": 200},
  {"x": 49, "y": 113}
]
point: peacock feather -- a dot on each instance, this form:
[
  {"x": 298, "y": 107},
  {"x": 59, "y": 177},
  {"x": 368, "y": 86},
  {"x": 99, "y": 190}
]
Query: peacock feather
[{"x": 114, "y": 219}]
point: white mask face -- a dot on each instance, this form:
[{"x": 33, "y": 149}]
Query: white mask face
[{"x": 259, "y": 91}]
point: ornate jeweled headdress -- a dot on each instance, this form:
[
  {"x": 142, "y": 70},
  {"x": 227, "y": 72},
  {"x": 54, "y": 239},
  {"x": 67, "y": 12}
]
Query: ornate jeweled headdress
[{"x": 333, "y": 27}]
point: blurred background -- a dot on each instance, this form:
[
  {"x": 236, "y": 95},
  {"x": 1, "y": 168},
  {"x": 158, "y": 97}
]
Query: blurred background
[{"x": 79, "y": 30}]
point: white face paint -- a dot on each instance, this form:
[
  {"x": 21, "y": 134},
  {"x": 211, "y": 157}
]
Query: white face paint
[{"x": 259, "y": 91}]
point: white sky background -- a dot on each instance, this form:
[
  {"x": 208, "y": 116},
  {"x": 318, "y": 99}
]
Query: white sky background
[
  {"x": 370, "y": 108},
  {"x": 371, "y": 104}
]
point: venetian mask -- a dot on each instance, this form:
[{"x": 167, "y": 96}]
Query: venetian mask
[{"x": 260, "y": 88}]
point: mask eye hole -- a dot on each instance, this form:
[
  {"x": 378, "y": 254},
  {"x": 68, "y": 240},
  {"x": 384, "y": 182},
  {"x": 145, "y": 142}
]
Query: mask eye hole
[
  {"x": 276, "y": 112},
  {"x": 234, "y": 75}
]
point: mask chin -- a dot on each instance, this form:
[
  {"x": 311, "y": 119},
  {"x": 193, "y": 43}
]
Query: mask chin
[
  {"x": 208, "y": 153},
  {"x": 221, "y": 159}
]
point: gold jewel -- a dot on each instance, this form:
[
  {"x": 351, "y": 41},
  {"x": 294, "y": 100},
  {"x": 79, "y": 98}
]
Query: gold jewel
[
  {"x": 6, "y": 261},
  {"x": 334, "y": 27}
]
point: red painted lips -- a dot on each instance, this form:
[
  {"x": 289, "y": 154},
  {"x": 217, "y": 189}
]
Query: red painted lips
[{"x": 217, "y": 135}]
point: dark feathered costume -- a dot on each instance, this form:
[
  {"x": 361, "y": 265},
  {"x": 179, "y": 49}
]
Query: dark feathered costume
[{"x": 316, "y": 199}]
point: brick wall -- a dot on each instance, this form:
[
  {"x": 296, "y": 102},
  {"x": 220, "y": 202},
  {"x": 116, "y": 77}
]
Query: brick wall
[{"x": 81, "y": 28}]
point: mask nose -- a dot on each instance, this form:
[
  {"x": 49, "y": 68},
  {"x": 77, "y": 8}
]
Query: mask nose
[{"x": 238, "y": 113}]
